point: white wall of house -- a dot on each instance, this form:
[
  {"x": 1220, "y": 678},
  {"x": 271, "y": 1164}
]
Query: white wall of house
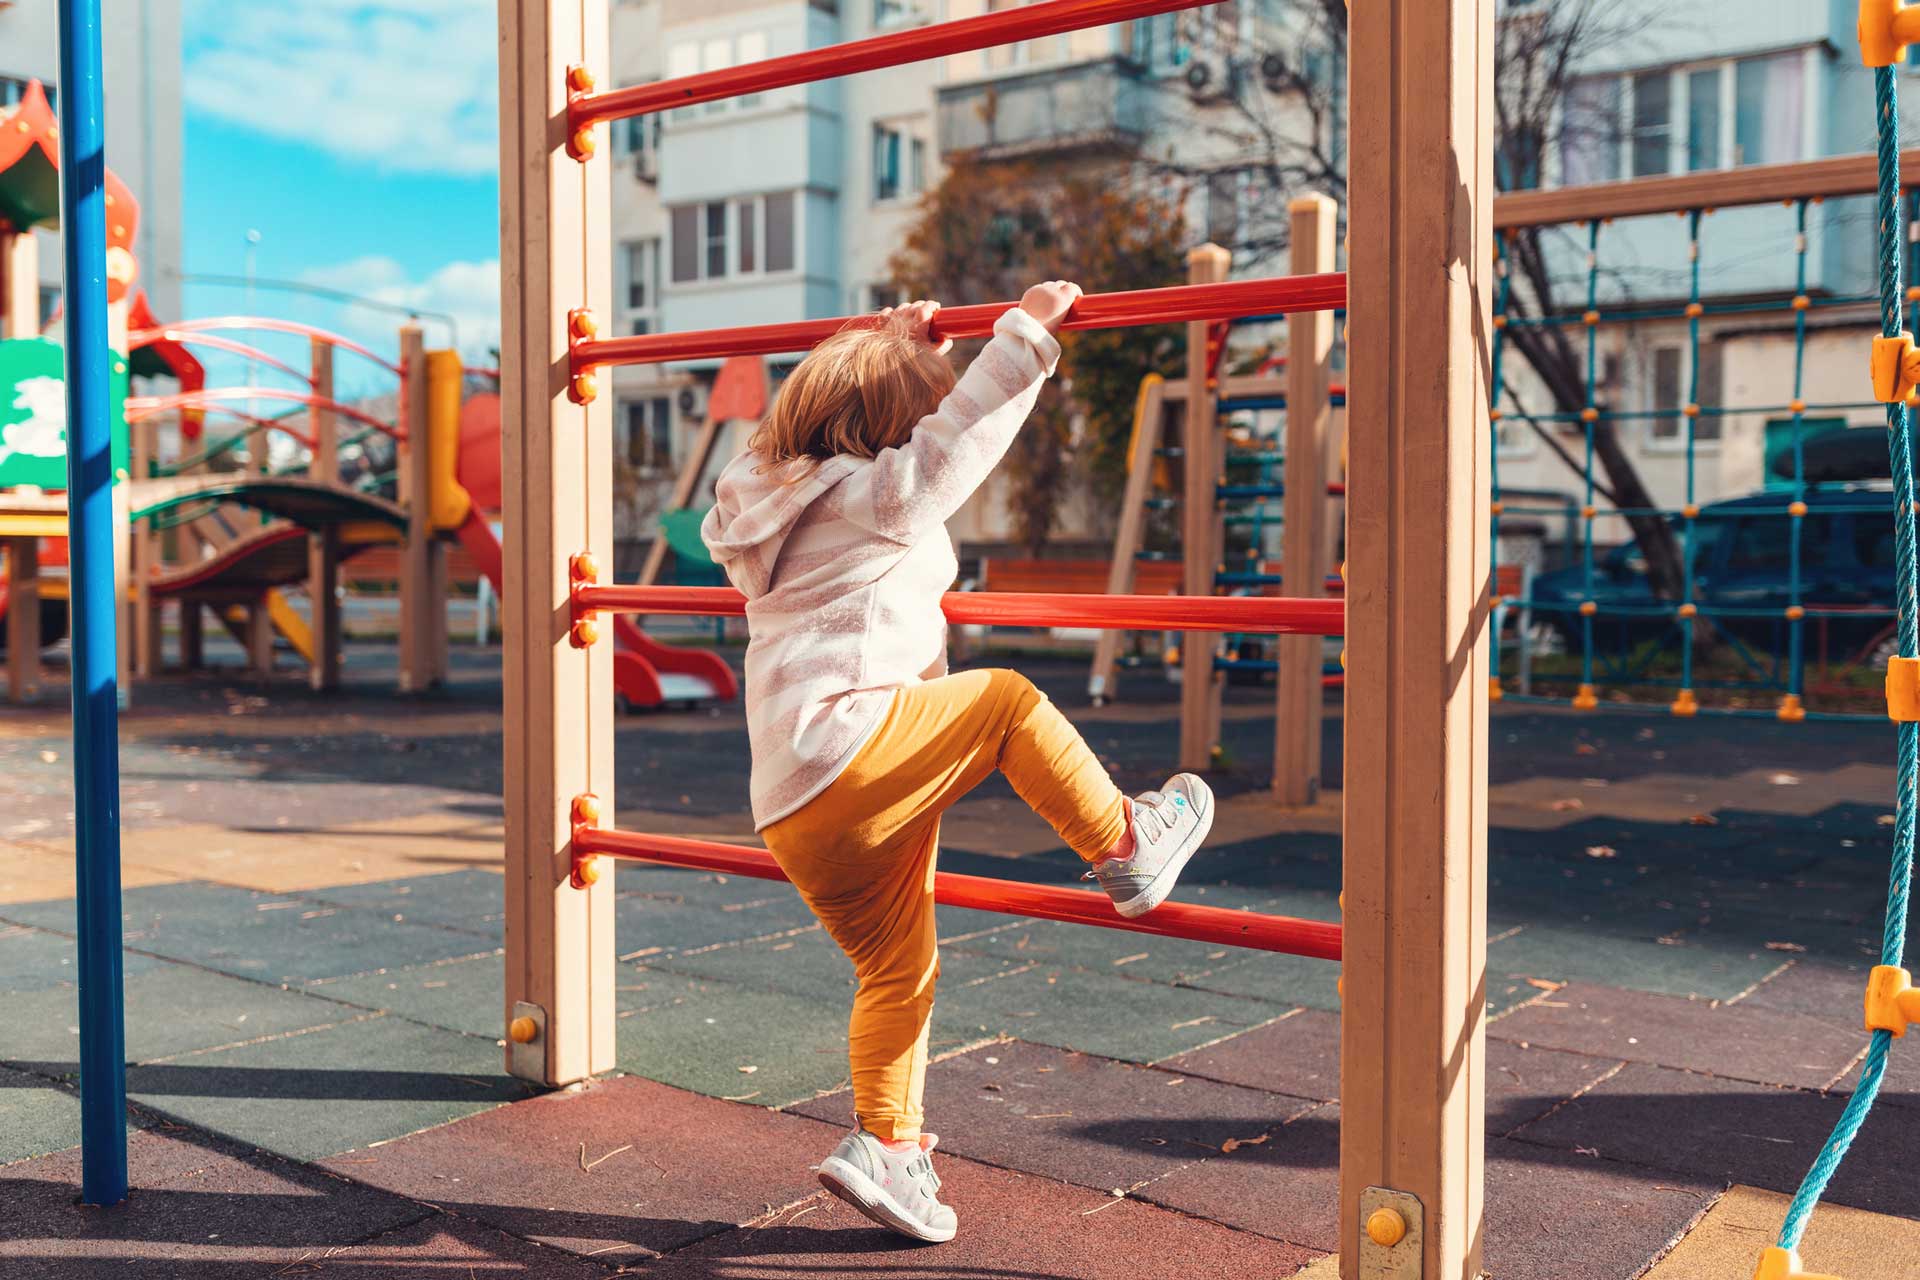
[{"x": 143, "y": 119}]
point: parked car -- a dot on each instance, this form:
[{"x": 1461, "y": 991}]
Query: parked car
[{"x": 1742, "y": 558}]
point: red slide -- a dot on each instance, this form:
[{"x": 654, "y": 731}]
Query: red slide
[{"x": 646, "y": 673}]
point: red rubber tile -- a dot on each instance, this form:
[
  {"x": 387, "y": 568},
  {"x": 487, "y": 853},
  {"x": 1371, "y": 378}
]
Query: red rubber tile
[
  {"x": 197, "y": 1209},
  {"x": 444, "y": 1245},
  {"x": 667, "y": 1167},
  {"x": 1732, "y": 1131},
  {"x": 1734, "y": 1041},
  {"x": 1081, "y": 1119},
  {"x": 1558, "y": 1216},
  {"x": 1300, "y": 1055},
  {"x": 1286, "y": 1187},
  {"x": 1011, "y": 1225}
]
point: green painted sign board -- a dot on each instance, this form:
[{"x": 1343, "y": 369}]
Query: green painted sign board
[{"x": 33, "y": 414}]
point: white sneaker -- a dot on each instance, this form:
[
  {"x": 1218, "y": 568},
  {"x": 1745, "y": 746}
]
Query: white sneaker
[
  {"x": 1168, "y": 826},
  {"x": 897, "y": 1189}
]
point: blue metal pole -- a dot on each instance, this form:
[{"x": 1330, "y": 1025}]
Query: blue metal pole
[{"x": 90, "y": 534}]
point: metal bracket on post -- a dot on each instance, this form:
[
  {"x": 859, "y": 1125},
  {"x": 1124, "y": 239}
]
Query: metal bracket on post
[
  {"x": 1392, "y": 1235},
  {"x": 527, "y": 1041}
]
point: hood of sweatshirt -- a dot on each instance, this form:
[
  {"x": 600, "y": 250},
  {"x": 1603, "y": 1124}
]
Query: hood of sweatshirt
[{"x": 754, "y": 511}]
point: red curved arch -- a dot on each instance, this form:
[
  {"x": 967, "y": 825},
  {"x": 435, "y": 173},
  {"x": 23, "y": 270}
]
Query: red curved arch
[{"x": 139, "y": 407}]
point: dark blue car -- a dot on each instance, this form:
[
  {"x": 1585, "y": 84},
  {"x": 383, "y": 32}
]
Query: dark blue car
[{"x": 1742, "y": 553}]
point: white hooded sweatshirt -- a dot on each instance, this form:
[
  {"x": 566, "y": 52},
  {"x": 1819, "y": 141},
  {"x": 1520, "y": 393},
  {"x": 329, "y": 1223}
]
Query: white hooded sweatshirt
[{"x": 843, "y": 569}]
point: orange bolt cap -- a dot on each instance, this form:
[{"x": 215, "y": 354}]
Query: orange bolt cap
[
  {"x": 584, "y": 634},
  {"x": 586, "y": 808},
  {"x": 580, "y": 79},
  {"x": 584, "y": 389},
  {"x": 584, "y": 566},
  {"x": 587, "y": 872},
  {"x": 581, "y": 323},
  {"x": 522, "y": 1030}
]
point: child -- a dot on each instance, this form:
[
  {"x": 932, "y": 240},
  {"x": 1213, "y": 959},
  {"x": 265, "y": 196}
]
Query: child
[{"x": 833, "y": 524}]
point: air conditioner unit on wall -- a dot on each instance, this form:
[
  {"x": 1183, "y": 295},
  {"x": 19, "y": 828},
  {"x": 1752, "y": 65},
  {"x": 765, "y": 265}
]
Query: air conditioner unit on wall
[
  {"x": 646, "y": 167},
  {"x": 1209, "y": 78},
  {"x": 692, "y": 402}
]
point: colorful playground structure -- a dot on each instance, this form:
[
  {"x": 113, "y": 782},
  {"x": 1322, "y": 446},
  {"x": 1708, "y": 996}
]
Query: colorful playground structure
[{"x": 219, "y": 528}]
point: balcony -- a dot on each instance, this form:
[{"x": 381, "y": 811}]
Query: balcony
[{"x": 1082, "y": 106}]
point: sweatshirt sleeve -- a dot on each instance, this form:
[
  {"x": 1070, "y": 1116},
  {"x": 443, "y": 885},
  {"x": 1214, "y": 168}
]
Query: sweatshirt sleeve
[{"x": 916, "y": 486}]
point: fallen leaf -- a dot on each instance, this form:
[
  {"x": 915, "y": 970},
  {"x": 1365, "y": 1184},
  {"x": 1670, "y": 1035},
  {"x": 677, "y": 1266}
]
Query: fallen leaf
[
  {"x": 49, "y": 757},
  {"x": 747, "y": 1071},
  {"x": 1704, "y": 820},
  {"x": 1785, "y": 946},
  {"x": 1570, "y": 803},
  {"x": 1602, "y": 851},
  {"x": 1231, "y": 1145},
  {"x": 1138, "y": 955},
  {"x": 1587, "y": 1151},
  {"x": 1593, "y": 782},
  {"x": 1784, "y": 780},
  {"x": 1885, "y": 819},
  {"x": 1545, "y": 984}
]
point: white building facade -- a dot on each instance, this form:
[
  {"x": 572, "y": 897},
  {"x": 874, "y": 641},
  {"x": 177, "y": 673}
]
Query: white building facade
[{"x": 143, "y": 118}]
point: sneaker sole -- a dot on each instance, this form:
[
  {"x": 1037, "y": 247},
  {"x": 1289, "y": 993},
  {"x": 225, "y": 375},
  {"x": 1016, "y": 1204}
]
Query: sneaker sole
[
  {"x": 867, "y": 1197},
  {"x": 1162, "y": 884}
]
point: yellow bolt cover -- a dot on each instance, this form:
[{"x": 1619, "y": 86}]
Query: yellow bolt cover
[
  {"x": 1590, "y": 317},
  {"x": 1695, "y": 311},
  {"x": 1784, "y": 1264},
  {"x": 1589, "y": 414},
  {"x": 1893, "y": 1002},
  {"x": 1386, "y": 1228},
  {"x": 1790, "y": 709},
  {"x": 522, "y": 1030},
  {"x": 1894, "y": 367},
  {"x": 1903, "y": 689},
  {"x": 1886, "y": 28},
  {"x": 1801, "y": 302},
  {"x": 1684, "y": 705},
  {"x": 588, "y": 871},
  {"x": 1688, "y": 610},
  {"x": 1585, "y": 699},
  {"x": 1796, "y": 509},
  {"x": 1588, "y": 608}
]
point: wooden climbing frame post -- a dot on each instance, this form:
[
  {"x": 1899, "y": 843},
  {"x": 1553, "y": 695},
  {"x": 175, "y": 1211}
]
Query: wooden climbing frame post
[
  {"x": 1298, "y": 697},
  {"x": 19, "y": 285},
  {"x": 1200, "y": 523},
  {"x": 1412, "y": 1061},
  {"x": 416, "y": 556},
  {"x": 558, "y": 490},
  {"x": 323, "y": 546}
]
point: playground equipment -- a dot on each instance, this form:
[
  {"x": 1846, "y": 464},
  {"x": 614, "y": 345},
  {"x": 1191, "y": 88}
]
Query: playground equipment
[
  {"x": 1412, "y": 940},
  {"x": 1311, "y": 480},
  {"x": 1773, "y": 645}
]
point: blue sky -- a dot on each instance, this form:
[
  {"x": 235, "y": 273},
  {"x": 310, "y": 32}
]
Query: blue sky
[{"x": 359, "y": 140}]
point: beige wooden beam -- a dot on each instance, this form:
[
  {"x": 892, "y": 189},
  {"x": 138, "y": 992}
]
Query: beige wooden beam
[
  {"x": 418, "y": 669},
  {"x": 19, "y": 285},
  {"x": 558, "y": 708},
  {"x": 1298, "y": 698},
  {"x": 1200, "y": 525},
  {"x": 323, "y": 546},
  {"x": 1412, "y": 1062},
  {"x": 23, "y": 619},
  {"x": 1149, "y": 426}
]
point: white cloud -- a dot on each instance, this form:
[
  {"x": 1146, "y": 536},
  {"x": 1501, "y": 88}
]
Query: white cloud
[
  {"x": 402, "y": 86},
  {"x": 468, "y": 292}
]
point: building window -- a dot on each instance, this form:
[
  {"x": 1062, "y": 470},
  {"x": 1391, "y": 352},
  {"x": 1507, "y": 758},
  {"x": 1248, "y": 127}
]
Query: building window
[
  {"x": 882, "y": 296},
  {"x": 1675, "y": 386},
  {"x": 1666, "y": 392},
  {"x": 762, "y": 228},
  {"x": 1652, "y": 123},
  {"x": 649, "y": 428},
  {"x": 1769, "y": 106},
  {"x": 1223, "y": 207},
  {"x": 1703, "y": 119},
  {"x": 641, "y": 259},
  {"x": 899, "y": 162},
  {"x": 1590, "y": 132},
  {"x": 1734, "y": 112},
  {"x": 697, "y": 57},
  {"x": 888, "y": 12},
  {"x": 638, "y": 137}
]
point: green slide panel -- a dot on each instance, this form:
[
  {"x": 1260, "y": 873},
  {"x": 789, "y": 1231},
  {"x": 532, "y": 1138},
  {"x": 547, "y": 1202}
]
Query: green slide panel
[{"x": 33, "y": 414}]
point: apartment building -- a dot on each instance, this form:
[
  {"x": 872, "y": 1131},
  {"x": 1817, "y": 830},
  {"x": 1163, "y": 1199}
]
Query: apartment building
[
  {"x": 790, "y": 204},
  {"x": 143, "y": 115}
]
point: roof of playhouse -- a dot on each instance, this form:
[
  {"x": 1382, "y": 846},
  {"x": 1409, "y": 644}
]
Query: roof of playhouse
[{"x": 30, "y": 186}]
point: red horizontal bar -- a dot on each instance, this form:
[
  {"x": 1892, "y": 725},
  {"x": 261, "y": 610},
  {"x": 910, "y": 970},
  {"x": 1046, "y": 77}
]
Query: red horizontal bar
[
  {"x": 1264, "y": 615},
  {"x": 1177, "y": 304},
  {"x": 892, "y": 50},
  {"x": 981, "y": 893}
]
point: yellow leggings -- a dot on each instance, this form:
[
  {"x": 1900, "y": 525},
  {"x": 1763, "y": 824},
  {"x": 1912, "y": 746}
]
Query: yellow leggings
[{"x": 862, "y": 852}]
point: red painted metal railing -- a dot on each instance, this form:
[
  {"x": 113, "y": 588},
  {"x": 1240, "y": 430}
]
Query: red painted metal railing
[
  {"x": 139, "y": 407},
  {"x": 895, "y": 49},
  {"x": 1178, "y": 304},
  {"x": 1043, "y": 902},
  {"x": 1265, "y": 615},
  {"x": 265, "y": 325}
]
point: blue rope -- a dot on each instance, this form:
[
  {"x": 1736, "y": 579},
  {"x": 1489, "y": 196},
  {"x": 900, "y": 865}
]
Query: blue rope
[{"x": 1900, "y": 448}]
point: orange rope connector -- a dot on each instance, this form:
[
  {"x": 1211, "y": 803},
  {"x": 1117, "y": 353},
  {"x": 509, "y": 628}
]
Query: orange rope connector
[
  {"x": 1790, "y": 709},
  {"x": 1499, "y": 322},
  {"x": 1586, "y": 699},
  {"x": 1589, "y": 511},
  {"x": 1894, "y": 367},
  {"x": 1496, "y": 507},
  {"x": 1796, "y": 406},
  {"x": 1903, "y": 690},
  {"x": 1794, "y": 613},
  {"x": 1494, "y": 415},
  {"x": 1783, "y": 1264},
  {"x": 1690, "y": 410},
  {"x": 1684, "y": 705},
  {"x": 1590, "y": 318},
  {"x": 1801, "y": 302},
  {"x": 1494, "y": 691},
  {"x": 1588, "y": 608},
  {"x": 1913, "y": 293},
  {"x": 1885, "y": 30},
  {"x": 1893, "y": 1002},
  {"x": 1589, "y": 414},
  {"x": 1691, "y": 511},
  {"x": 1796, "y": 509},
  {"x": 1695, "y": 311},
  {"x": 1688, "y": 609}
]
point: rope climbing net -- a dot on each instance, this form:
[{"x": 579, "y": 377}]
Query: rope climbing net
[{"x": 1891, "y": 1001}]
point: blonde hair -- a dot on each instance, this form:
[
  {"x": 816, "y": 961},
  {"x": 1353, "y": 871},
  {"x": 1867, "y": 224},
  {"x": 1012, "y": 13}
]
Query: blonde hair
[{"x": 859, "y": 392}]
